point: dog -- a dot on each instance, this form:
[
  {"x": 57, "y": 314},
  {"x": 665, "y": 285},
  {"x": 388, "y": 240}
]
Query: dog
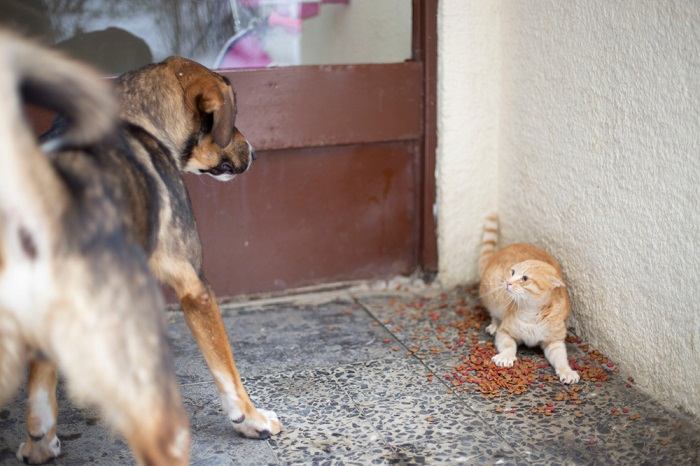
[
  {"x": 75, "y": 288},
  {"x": 175, "y": 116}
]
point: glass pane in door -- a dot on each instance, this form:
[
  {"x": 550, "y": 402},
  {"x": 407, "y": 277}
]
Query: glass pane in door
[{"x": 120, "y": 35}]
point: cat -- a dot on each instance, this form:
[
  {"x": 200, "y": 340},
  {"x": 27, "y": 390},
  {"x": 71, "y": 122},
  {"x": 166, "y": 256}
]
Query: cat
[{"x": 523, "y": 290}]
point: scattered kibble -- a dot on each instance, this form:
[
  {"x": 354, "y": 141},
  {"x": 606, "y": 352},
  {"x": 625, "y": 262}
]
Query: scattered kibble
[{"x": 453, "y": 326}]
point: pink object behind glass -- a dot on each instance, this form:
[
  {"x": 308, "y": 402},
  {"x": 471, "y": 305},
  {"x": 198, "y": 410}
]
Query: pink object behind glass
[{"x": 246, "y": 52}]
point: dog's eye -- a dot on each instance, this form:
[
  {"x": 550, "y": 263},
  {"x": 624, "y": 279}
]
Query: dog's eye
[
  {"x": 524, "y": 278},
  {"x": 512, "y": 272}
]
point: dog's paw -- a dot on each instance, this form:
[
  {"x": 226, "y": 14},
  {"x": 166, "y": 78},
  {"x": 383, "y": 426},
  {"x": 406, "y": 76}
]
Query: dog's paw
[
  {"x": 262, "y": 424},
  {"x": 39, "y": 451},
  {"x": 491, "y": 328},
  {"x": 502, "y": 360},
  {"x": 569, "y": 376}
]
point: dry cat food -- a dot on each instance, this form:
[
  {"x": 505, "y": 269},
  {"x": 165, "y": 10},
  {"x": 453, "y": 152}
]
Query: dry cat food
[{"x": 453, "y": 325}]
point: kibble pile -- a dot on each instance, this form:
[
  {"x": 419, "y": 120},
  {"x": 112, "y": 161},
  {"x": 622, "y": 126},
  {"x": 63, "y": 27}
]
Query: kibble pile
[{"x": 453, "y": 325}]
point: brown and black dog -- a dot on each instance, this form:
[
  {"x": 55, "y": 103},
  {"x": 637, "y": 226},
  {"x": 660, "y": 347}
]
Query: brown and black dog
[
  {"x": 75, "y": 288},
  {"x": 178, "y": 116},
  {"x": 175, "y": 116}
]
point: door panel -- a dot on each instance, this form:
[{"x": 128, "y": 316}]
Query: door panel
[
  {"x": 308, "y": 216},
  {"x": 328, "y": 105}
]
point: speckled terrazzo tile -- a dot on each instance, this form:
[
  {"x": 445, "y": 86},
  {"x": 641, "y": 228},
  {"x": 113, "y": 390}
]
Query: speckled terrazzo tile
[
  {"x": 422, "y": 326},
  {"x": 322, "y": 424},
  {"x": 656, "y": 437},
  {"x": 285, "y": 337},
  {"x": 598, "y": 431},
  {"x": 420, "y": 419}
]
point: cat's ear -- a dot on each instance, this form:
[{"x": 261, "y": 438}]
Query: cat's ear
[{"x": 556, "y": 283}]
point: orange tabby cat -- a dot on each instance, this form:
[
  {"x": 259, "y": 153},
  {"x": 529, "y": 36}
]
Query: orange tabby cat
[{"x": 523, "y": 290}]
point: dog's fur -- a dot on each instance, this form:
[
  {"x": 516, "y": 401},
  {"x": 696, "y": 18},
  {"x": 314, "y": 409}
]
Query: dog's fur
[
  {"x": 79, "y": 232},
  {"x": 75, "y": 289},
  {"x": 179, "y": 117}
]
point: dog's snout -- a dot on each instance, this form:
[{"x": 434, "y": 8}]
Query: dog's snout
[{"x": 226, "y": 167}]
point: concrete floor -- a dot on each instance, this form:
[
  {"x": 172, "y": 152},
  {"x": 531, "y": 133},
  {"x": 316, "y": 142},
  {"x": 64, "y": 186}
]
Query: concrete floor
[{"x": 359, "y": 377}]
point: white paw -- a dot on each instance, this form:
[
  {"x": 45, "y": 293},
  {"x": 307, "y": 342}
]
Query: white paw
[
  {"x": 569, "y": 376},
  {"x": 39, "y": 451},
  {"x": 503, "y": 360},
  {"x": 491, "y": 328},
  {"x": 261, "y": 424}
]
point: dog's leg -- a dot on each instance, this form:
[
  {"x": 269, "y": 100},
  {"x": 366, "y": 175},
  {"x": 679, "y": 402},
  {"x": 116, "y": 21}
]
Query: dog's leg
[
  {"x": 204, "y": 319},
  {"x": 42, "y": 443},
  {"x": 139, "y": 401},
  {"x": 117, "y": 360}
]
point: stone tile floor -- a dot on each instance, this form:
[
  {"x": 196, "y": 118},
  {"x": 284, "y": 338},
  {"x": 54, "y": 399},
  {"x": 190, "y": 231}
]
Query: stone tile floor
[{"x": 359, "y": 377}]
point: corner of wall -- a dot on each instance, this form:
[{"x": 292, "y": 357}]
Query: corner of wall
[{"x": 469, "y": 77}]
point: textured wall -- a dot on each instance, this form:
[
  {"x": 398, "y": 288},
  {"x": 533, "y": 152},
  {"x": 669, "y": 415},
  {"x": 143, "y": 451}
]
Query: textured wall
[
  {"x": 468, "y": 120},
  {"x": 599, "y": 162}
]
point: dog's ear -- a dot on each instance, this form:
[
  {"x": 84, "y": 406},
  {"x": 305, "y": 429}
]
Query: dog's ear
[
  {"x": 224, "y": 118},
  {"x": 206, "y": 92}
]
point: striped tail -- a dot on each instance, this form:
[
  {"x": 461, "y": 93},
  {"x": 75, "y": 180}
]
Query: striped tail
[{"x": 489, "y": 241}]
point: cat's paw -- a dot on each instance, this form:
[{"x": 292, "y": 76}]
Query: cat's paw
[
  {"x": 491, "y": 328},
  {"x": 503, "y": 360},
  {"x": 569, "y": 376}
]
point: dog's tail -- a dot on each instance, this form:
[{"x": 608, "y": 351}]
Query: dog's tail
[
  {"x": 488, "y": 242},
  {"x": 50, "y": 80},
  {"x": 31, "y": 73}
]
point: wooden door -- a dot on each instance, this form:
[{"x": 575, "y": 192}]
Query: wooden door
[{"x": 344, "y": 183}]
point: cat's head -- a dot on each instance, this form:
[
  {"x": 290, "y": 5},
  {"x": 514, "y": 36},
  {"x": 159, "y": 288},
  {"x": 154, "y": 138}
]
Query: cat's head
[{"x": 532, "y": 281}]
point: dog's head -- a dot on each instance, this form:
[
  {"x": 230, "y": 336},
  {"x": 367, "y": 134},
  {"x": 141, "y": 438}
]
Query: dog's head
[{"x": 214, "y": 146}]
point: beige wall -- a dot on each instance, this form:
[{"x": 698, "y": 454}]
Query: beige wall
[
  {"x": 598, "y": 153},
  {"x": 468, "y": 126}
]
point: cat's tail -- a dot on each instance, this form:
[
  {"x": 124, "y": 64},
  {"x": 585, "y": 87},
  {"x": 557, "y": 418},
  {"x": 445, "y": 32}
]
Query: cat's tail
[{"x": 488, "y": 241}]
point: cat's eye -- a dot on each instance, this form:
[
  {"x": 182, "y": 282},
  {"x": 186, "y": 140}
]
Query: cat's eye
[
  {"x": 524, "y": 278},
  {"x": 512, "y": 272}
]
